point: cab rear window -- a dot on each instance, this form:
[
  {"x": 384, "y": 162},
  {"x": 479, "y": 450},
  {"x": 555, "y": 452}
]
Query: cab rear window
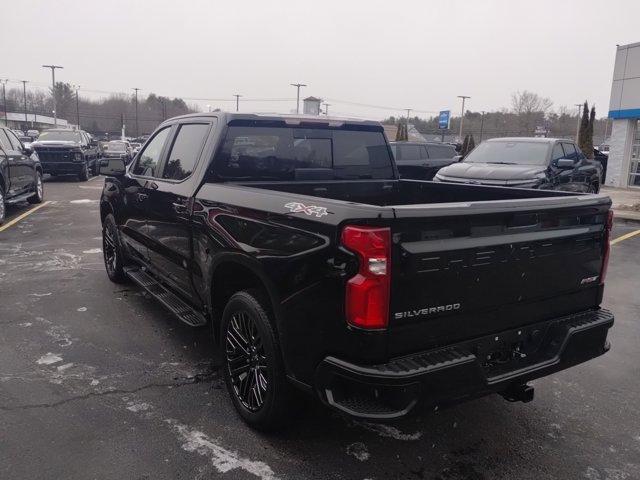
[{"x": 278, "y": 153}]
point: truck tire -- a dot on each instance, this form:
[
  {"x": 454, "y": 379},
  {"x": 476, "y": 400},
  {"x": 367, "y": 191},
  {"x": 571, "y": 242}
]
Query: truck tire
[
  {"x": 253, "y": 368},
  {"x": 114, "y": 259},
  {"x": 83, "y": 176},
  {"x": 3, "y": 207},
  {"x": 38, "y": 195}
]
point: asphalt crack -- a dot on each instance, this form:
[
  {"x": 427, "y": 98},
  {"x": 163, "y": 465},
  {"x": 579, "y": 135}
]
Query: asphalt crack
[{"x": 182, "y": 381}]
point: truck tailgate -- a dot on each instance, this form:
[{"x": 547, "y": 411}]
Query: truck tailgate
[{"x": 461, "y": 271}]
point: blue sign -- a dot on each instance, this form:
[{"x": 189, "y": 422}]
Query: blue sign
[{"x": 443, "y": 119}]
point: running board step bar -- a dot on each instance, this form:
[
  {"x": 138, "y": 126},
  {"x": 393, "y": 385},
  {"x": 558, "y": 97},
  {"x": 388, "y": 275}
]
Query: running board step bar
[{"x": 172, "y": 302}]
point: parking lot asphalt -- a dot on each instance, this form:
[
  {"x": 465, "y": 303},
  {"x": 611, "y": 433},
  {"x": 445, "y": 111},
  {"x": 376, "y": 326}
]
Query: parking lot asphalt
[{"x": 98, "y": 381}]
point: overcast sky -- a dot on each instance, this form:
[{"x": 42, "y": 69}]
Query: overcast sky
[{"x": 397, "y": 54}]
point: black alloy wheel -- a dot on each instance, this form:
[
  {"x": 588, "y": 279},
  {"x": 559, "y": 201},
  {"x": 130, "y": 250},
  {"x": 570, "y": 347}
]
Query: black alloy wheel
[
  {"x": 3, "y": 208},
  {"x": 113, "y": 257},
  {"x": 253, "y": 368},
  {"x": 246, "y": 361},
  {"x": 38, "y": 195}
]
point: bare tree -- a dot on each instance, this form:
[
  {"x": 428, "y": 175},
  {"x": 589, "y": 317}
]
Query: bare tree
[{"x": 530, "y": 108}]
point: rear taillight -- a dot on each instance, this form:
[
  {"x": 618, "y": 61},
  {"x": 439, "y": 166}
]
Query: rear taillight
[
  {"x": 367, "y": 295},
  {"x": 607, "y": 246}
]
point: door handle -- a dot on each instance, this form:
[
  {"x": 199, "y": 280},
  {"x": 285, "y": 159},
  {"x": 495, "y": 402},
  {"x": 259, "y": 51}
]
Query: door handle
[
  {"x": 153, "y": 186},
  {"x": 142, "y": 197}
]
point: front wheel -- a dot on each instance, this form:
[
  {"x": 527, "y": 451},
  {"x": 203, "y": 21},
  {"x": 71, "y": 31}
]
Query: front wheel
[
  {"x": 3, "y": 208},
  {"x": 112, "y": 250},
  {"x": 253, "y": 367},
  {"x": 83, "y": 176},
  {"x": 38, "y": 195}
]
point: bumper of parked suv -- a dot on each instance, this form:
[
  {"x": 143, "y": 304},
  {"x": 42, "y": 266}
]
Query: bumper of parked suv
[
  {"x": 63, "y": 168},
  {"x": 501, "y": 362}
]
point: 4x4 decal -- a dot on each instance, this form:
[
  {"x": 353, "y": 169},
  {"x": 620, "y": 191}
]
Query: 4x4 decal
[{"x": 296, "y": 207}]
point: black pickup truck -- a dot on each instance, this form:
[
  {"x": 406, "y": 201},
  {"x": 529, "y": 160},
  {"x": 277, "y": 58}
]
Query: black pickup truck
[
  {"x": 68, "y": 152},
  {"x": 316, "y": 267}
]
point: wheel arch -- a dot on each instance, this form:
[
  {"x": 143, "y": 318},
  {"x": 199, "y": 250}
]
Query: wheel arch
[{"x": 233, "y": 273}]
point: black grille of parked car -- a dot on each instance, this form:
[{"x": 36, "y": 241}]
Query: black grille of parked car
[{"x": 47, "y": 155}]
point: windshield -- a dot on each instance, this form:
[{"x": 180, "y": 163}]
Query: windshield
[
  {"x": 69, "y": 136},
  {"x": 511, "y": 153},
  {"x": 115, "y": 146},
  {"x": 282, "y": 153}
]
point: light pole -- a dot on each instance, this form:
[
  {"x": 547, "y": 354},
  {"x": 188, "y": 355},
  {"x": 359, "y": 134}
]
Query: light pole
[
  {"x": 77, "y": 87},
  {"x": 579, "y": 105},
  {"x": 298, "y": 85},
  {"x": 4, "y": 101},
  {"x": 24, "y": 96},
  {"x": 136, "y": 90},
  {"x": 463, "y": 97},
  {"x": 326, "y": 108},
  {"x": 209, "y": 108},
  {"x": 53, "y": 91},
  {"x": 408, "y": 114},
  {"x": 237, "y": 102},
  {"x": 482, "y": 124}
]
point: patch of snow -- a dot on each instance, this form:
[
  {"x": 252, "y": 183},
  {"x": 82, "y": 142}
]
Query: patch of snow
[
  {"x": 94, "y": 382},
  {"x": 49, "y": 359},
  {"x": 62, "y": 368},
  {"x": 358, "y": 450},
  {"x": 83, "y": 200},
  {"x": 222, "y": 459},
  {"x": 388, "y": 431},
  {"x": 82, "y": 309},
  {"x": 93, "y": 250},
  {"x": 138, "y": 407},
  {"x": 25, "y": 324},
  {"x": 40, "y": 294}
]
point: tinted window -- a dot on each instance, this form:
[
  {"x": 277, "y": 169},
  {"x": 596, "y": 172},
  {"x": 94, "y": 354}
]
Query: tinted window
[
  {"x": 148, "y": 160},
  {"x": 15, "y": 143},
  {"x": 276, "y": 153},
  {"x": 4, "y": 140},
  {"x": 557, "y": 152},
  {"x": 441, "y": 151},
  {"x": 185, "y": 151},
  {"x": 115, "y": 147},
  {"x": 570, "y": 151},
  {"x": 515, "y": 153},
  {"x": 409, "y": 152}
]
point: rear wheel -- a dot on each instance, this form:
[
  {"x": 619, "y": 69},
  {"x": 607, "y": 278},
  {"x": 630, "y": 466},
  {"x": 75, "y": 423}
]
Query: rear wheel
[
  {"x": 38, "y": 195},
  {"x": 83, "y": 176},
  {"x": 112, "y": 250},
  {"x": 253, "y": 368}
]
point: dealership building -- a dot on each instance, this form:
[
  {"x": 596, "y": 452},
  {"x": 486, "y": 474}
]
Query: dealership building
[{"x": 624, "y": 109}]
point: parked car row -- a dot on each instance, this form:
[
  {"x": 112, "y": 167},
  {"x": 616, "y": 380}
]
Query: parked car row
[{"x": 539, "y": 163}]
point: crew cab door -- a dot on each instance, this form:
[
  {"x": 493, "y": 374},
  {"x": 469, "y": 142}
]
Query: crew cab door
[
  {"x": 169, "y": 207},
  {"x": 138, "y": 184},
  {"x": 21, "y": 167}
]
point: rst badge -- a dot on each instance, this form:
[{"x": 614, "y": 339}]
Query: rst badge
[{"x": 297, "y": 207}]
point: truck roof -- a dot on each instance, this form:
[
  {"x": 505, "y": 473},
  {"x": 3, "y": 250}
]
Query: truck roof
[{"x": 292, "y": 118}]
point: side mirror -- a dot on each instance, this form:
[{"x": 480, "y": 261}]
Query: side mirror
[
  {"x": 27, "y": 150},
  {"x": 112, "y": 167},
  {"x": 565, "y": 163}
]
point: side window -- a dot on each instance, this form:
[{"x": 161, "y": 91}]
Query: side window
[
  {"x": 149, "y": 158},
  {"x": 4, "y": 141},
  {"x": 570, "y": 151},
  {"x": 15, "y": 143},
  {"x": 441, "y": 151},
  {"x": 410, "y": 152},
  {"x": 557, "y": 152},
  {"x": 185, "y": 151}
]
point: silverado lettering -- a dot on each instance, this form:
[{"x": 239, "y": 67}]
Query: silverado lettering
[{"x": 427, "y": 311}]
